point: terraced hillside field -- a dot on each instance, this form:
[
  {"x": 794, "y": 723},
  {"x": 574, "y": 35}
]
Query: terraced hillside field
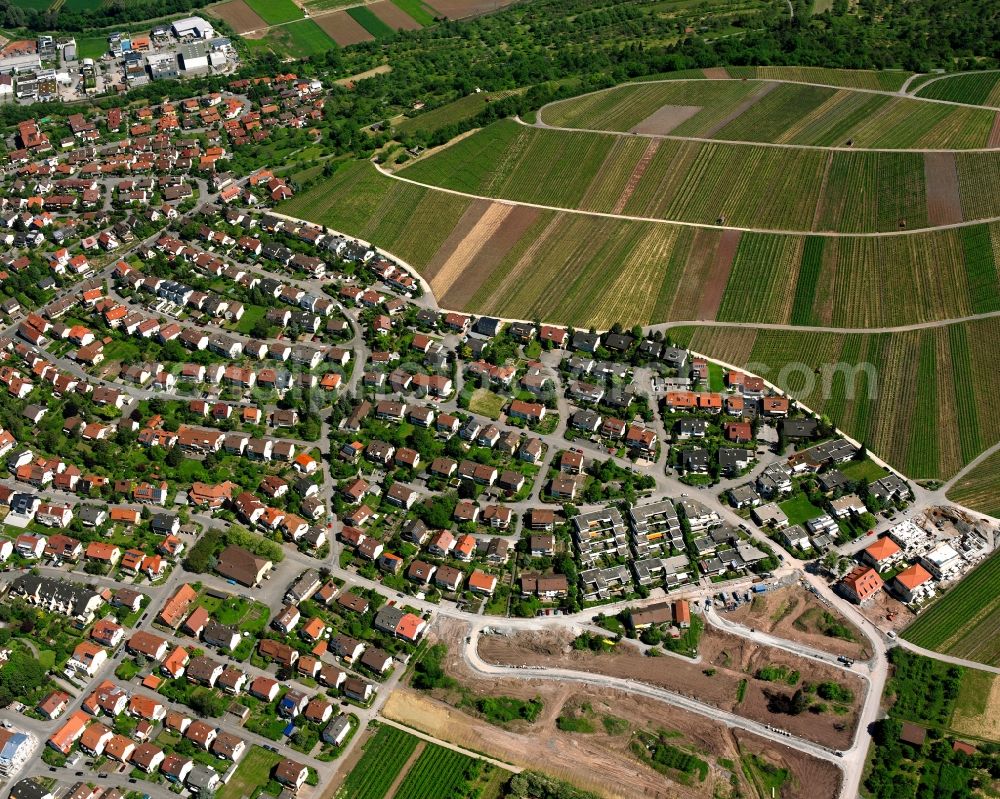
[
  {"x": 965, "y": 622},
  {"x": 580, "y": 269},
  {"x": 740, "y": 185},
  {"x": 920, "y": 399},
  {"x": 783, "y": 113}
]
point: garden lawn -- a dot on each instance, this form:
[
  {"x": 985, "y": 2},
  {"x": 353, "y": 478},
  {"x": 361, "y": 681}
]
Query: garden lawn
[
  {"x": 799, "y": 509},
  {"x": 253, "y": 771},
  {"x": 251, "y": 314},
  {"x": 866, "y": 470},
  {"x": 486, "y": 403}
]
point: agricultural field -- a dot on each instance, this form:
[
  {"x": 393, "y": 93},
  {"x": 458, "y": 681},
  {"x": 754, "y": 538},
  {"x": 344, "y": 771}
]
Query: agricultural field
[
  {"x": 275, "y": 12},
  {"x": 978, "y": 176},
  {"x": 624, "y": 107},
  {"x": 977, "y": 709},
  {"x": 579, "y": 269},
  {"x": 438, "y": 772},
  {"x": 977, "y": 88},
  {"x": 460, "y": 9},
  {"x": 238, "y": 15},
  {"x": 979, "y": 488},
  {"x": 913, "y": 398},
  {"x": 301, "y": 39},
  {"x": 343, "y": 28},
  {"x": 386, "y": 753},
  {"x": 694, "y": 181},
  {"x": 394, "y": 16},
  {"x": 407, "y": 220},
  {"x": 764, "y": 111},
  {"x": 965, "y": 622},
  {"x": 885, "y": 80},
  {"x": 368, "y": 20},
  {"x": 418, "y": 10}
]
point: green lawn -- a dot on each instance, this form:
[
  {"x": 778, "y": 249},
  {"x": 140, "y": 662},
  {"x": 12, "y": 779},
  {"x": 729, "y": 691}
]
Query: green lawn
[
  {"x": 91, "y": 46},
  {"x": 799, "y": 509},
  {"x": 486, "y": 403},
  {"x": 308, "y": 38},
  {"x": 253, "y": 771},
  {"x": 716, "y": 379},
  {"x": 866, "y": 470},
  {"x": 251, "y": 314},
  {"x": 366, "y": 18},
  {"x": 274, "y": 12}
]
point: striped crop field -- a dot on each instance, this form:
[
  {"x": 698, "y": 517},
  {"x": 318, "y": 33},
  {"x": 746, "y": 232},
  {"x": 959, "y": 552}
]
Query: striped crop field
[
  {"x": 386, "y": 754},
  {"x": 979, "y": 488},
  {"x": 976, "y": 88},
  {"x": 874, "y": 191},
  {"x": 762, "y": 281},
  {"x": 978, "y": 178},
  {"x": 518, "y": 261},
  {"x": 775, "y": 112},
  {"x": 965, "y": 622},
  {"x": 623, "y": 107},
  {"x": 885, "y": 80},
  {"x": 703, "y": 182},
  {"x": 758, "y": 110},
  {"x": 439, "y": 772},
  {"x": 904, "y": 394}
]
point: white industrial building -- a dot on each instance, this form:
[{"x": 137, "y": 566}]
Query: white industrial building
[
  {"x": 192, "y": 27},
  {"x": 193, "y": 57}
]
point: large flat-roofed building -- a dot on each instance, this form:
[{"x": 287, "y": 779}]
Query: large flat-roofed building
[
  {"x": 600, "y": 532},
  {"x": 192, "y": 28},
  {"x": 162, "y": 65},
  {"x": 942, "y": 561},
  {"x": 193, "y": 57},
  {"x": 655, "y": 527}
]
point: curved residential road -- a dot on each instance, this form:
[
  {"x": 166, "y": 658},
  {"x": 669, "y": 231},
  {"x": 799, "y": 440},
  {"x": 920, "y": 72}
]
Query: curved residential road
[
  {"x": 472, "y": 659},
  {"x": 705, "y": 225},
  {"x": 795, "y": 648}
]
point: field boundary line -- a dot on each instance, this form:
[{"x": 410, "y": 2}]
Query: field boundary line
[
  {"x": 704, "y": 225},
  {"x": 773, "y": 145}
]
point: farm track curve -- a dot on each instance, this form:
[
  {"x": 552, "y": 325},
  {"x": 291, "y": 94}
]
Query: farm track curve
[{"x": 683, "y": 223}]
